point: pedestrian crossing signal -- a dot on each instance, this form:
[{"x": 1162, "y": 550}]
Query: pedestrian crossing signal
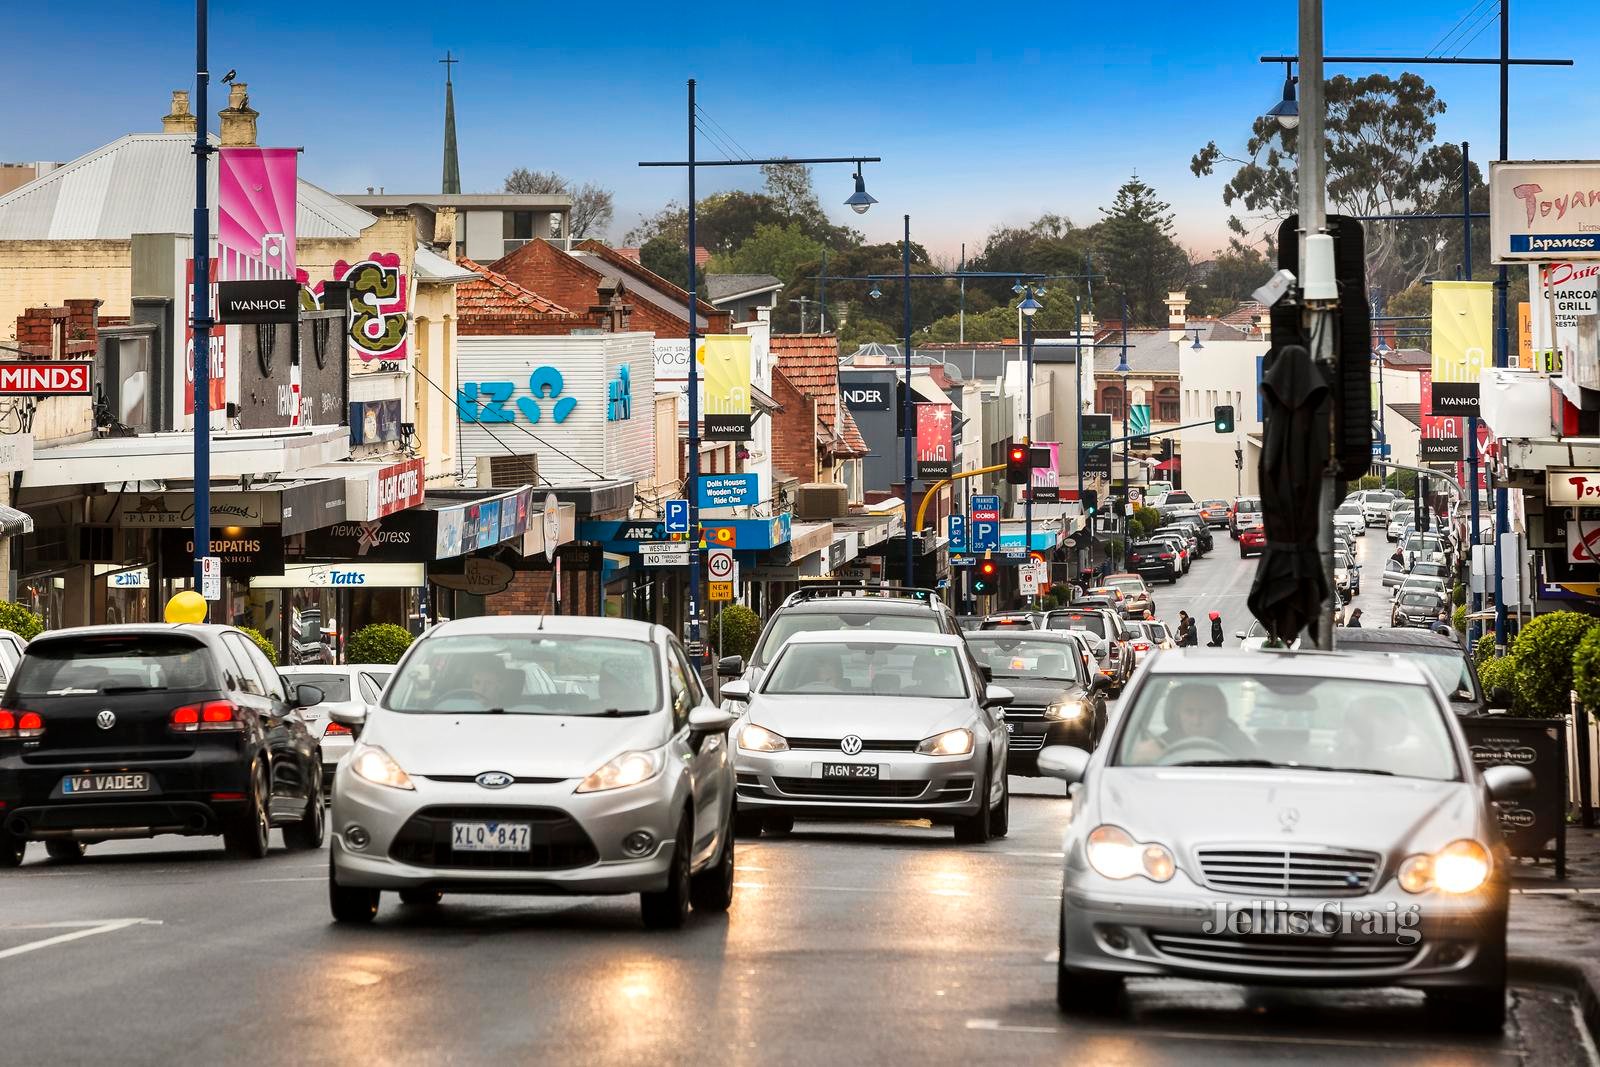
[{"x": 1223, "y": 418}]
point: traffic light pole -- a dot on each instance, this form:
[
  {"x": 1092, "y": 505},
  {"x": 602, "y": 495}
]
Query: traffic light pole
[{"x": 933, "y": 491}]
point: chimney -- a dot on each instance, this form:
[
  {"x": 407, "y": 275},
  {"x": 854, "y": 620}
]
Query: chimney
[
  {"x": 444, "y": 231},
  {"x": 238, "y": 118},
  {"x": 182, "y": 119},
  {"x": 1177, "y": 315}
]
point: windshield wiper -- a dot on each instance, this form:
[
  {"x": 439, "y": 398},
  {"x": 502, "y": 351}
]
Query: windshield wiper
[
  {"x": 1341, "y": 770},
  {"x": 619, "y": 713},
  {"x": 110, "y": 689}
]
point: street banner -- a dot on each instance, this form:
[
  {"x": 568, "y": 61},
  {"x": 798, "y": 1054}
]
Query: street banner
[
  {"x": 1095, "y": 429},
  {"x": 1046, "y": 487},
  {"x": 217, "y": 382},
  {"x": 1463, "y": 337},
  {"x": 727, "y": 388},
  {"x": 934, "y": 449},
  {"x": 1139, "y": 419},
  {"x": 1544, "y": 211},
  {"x": 257, "y": 192},
  {"x": 1524, "y": 336}
]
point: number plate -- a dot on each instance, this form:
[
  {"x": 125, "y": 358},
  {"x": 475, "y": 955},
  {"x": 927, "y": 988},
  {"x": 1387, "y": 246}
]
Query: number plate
[
  {"x": 74, "y": 785},
  {"x": 849, "y": 770},
  {"x": 1011, "y": 727},
  {"x": 489, "y": 836}
]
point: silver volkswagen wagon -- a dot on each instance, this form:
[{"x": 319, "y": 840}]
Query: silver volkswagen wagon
[
  {"x": 474, "y": 775},
  {"x": 1301, "y": 818}
]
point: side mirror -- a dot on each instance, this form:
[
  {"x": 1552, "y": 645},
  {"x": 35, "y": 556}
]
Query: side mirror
[
  {"x": 710, "y": 721},
  {"x": 1508, "y": 783},
  {"x": 306, "y": 696},
  {"x": 738, "y": 690},
  {"x": 1064, "y": 762},
  {"x": 345, "y": 715},
  {"x": 730, "y": 666},
  {"x": 1239, "y": 634},
  {"x": 996, "y": 696}
]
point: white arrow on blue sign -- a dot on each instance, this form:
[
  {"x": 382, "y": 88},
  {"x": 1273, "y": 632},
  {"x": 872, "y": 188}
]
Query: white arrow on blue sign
[
  {"x": 985, "y": 534},
  {"x": 677, "y": 516},
  {"x": 958, "y": 533}
]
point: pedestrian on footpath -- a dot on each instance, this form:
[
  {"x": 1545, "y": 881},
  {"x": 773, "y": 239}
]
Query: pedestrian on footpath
[
  {"x": 1216, "y": 630},
  {"x": 1355, "y": 618}
]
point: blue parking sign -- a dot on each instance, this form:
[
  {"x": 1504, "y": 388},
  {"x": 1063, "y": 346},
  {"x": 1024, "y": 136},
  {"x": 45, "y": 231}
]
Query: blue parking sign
[
  {"x": 958, "y": 533},
  {"x": 677, "y": 516},
  {"x": 985, "y": 534}
]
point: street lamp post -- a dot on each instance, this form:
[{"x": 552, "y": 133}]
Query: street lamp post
[
  {"x": 1030, "y": 308},
  {"x": 909, "y": 409},
  {"x": 1127, "y": 482},
  {"x": 858, "y": 201},
  {"x": 201, "y": 355}
]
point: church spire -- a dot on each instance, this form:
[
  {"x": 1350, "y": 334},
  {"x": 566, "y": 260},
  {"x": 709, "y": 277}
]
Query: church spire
[{"x": 451, "y": 182}]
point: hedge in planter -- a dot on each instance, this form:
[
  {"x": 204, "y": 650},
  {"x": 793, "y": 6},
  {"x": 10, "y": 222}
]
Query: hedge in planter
[
  {"x": 1586, "y": 670},
  {"x": 262, "y": 643},
  {"x": 381, "y": 642},
  {"x": 1544, "y": 653},
  {"x": 1500, "y": 672},
  {"x": 734, "y": 631},
  {"x": 20, "y": 621}
]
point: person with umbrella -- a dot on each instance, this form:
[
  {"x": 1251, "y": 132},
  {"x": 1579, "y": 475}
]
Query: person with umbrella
[{"x": 1216, "y": 630}]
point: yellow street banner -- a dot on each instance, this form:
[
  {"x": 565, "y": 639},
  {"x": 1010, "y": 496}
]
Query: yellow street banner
[
  {"x": 1524, "y": 336},
  {"x": 727, "y": 386},
  {"x": 1463, "y": 338}
]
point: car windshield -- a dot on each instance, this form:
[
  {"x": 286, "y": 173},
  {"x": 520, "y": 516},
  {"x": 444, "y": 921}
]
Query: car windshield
[
  {"x": 1449, "y": 668},
  {"x": 1088, "y": 621},
  {"x": 1247, "y": 504},
  {"x": 1178, "y": 496},
  {"x": 464, "y": 673},
  {"x": 1429, "y": 570},
  {"x": 333, "y": 686},
  {"x": 1006, "y": 624},
  {"x": 1125, "y": 585},
  {"x": 121, "y": 663},
  {"x": 867, "y": 668},
  {"x": 1349, "y": 511},
  {"x": 1204, "y": 503},
  {"x": 786, "y": 625},
  {"x": 1155, "y": 631},
  {"x": 1009, "y": 656},
  {"x": 1419, "y": 598},
  {"x": 1325, "y": 724}
]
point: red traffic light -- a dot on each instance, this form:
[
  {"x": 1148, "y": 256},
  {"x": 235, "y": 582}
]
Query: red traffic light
[
  {"x": 987, "y": 568},
  {"x": 1018, "y": 455}
]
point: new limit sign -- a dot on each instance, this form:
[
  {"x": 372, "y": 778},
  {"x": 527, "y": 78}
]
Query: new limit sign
[{"x": 719, "y": 572}]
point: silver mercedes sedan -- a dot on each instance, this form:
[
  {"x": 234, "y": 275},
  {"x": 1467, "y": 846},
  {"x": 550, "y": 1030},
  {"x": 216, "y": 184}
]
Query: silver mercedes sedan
[
  {"x": 879, "y": 724},
  {"x": 472, "y": 775},
  {"x": 1296, "y": 818}
]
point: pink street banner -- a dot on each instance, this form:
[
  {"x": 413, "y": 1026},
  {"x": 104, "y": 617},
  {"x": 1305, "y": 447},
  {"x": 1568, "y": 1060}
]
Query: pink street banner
[
  {"x": 1046, "y": 486},
  {"x": 934, "y": 445},
  {"x": 256, "y": 197}
]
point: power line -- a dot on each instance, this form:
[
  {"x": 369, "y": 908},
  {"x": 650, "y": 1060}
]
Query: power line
[
  {"x": 743, "y": 153},
  {"x": 1442, "y": 43},
  {"x": 1492, "y": 18}
]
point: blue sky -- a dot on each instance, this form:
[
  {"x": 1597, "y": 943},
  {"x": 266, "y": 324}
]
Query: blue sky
[{"x": 984, "y": 116}]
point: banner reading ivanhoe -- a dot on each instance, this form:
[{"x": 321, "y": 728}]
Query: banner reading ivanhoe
[
  {"x": 727, "y": 386},
  {"x": 1463, "y": 336},
  {"x": 257, "y": 191}
]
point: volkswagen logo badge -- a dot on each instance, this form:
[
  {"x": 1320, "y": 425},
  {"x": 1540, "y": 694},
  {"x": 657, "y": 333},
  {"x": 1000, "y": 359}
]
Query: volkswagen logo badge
[
  {"x": 494, "y": 779},
  {"x": 851, "y": 745},
  {"x": 106, "y": 719}
]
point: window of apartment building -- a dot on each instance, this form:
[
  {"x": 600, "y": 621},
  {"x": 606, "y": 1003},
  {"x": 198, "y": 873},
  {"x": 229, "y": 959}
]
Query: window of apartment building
[
  {"x": 516, "y": 228},
  {"x": 1167, "y": 405},
  {"x": 1110, "y": 400}
]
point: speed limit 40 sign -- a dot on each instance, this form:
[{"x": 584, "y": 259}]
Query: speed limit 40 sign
[{"x": 719, "y": 564}]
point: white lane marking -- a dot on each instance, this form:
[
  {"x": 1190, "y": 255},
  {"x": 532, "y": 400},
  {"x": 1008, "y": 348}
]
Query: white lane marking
[
  {"x": 1562, "y": 892},
  {"x": 996, "y": 1026},
  {"x": 104, "y": 926},
  {"x": 1038, "y": 855}
]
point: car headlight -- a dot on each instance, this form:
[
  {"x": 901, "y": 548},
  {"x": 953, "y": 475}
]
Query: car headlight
[
  {"x": 949, "y": 743},
  {"x": 1113, "y": 853},
  {"x": 625, "y": 769},
  {"x": 755, "y": 738},
  {"x": 1460, "y": 867},
  {"x": 1067, "y": 711},
  {"x": 378, "y": 767}
]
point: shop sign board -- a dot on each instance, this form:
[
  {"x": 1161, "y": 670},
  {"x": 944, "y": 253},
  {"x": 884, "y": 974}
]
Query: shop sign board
[
  {"x": 664, "y": 553},
  {"x": 244, "y": 553},
  {"x": 1544, "y": 210},
  {"x": 344, "y": 576},
  {"x": 74, "y": 378}
]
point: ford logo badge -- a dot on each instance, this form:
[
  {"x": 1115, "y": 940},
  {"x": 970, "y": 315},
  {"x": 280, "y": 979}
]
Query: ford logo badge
[{"x": 494, "y": 779}]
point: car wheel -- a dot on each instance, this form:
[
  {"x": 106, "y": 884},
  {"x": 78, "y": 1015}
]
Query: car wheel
[
  {"x": 668, "y": 908},
  {"x": 712, "y": 888},
  {"x": 1000, "y": 817},
  {"x": 746, "y": 823},
  {"x": 249, "y": 834},
  {"x": 1084, "y": 992},
  {"x": 1480, "y": 1010},
  {"x": 12, "y": 849},
  {"x": 348, "y": 903},
  {"x": 65, "y": 851},
  {"x": 420, "y": 898},
  {"x": 778, "y": 825},
  {"x": 974, "y": 829},
  {"x": 308, "y": 833}
]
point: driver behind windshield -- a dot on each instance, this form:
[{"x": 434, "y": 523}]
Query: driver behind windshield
[{"x": 1197, "y": 720}]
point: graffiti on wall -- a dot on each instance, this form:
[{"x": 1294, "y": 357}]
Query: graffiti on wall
[{"x": 379, "y": 300}]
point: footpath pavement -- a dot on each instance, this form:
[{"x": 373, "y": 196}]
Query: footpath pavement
[{"x": 1554, "y": 934}]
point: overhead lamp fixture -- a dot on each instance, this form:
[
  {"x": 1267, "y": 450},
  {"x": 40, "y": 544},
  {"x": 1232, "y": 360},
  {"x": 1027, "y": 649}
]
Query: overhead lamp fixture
[
  {"x": 1017, "y": 287},
  {"x": 860, "y": 200},
  {"x": 875, "y": 292},
  {"x": 1287, "y": 110},
  {"x": 1029, "y": 306}
]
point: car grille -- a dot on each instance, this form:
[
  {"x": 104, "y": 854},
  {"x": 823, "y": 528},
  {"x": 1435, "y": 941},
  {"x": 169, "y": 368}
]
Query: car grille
[
  {"x": 465, "y": 779},
  {"x": 850, "y": 788},
  {"x": 1289, "y": 872},
  {"x": 1024, "y": 714},
  {"x": 1313, "y": 954},
  {"x": 831, "y": 744},
  {"x": 556, "y": 841},
  {"x": 1027, "y": 742}
]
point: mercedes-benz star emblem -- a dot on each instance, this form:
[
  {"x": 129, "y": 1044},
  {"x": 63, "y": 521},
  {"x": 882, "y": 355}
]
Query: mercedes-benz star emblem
[
  {"x": 106, "y": 719},
  {"x": 494, "y": 779},
  {"x": 1288, "y": 818},
  {"x": 851, "y": 745}
]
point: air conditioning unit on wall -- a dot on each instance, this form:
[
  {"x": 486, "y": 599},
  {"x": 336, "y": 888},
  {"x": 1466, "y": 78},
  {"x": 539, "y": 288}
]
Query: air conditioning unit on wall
[{"x": 822, "y": 500}]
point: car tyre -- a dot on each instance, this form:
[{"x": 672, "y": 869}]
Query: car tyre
[
  {"x": 975, "y": 829},
  {"x": 712, "y": 888},
  {"x": 1084, "y": 992},
  {"x": 746, "y": 823},
  {"x": 420, "y": 898},
  {"x": 350, "y": 904},
  {"x": 65, "y": 850},
  {"x": 777, "y": 825},
  {"x": 249, "y": 835},
  {"x": 1000, "y": 817},
  {"x": 308, "y": 833},
  {"x": 1478, "y": 1010},
  {"x": 668, "y": 908},
  {"x": 12, "y": 849}
]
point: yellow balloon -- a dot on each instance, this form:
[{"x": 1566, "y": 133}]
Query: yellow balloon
[{"x": 186, "y": 606}]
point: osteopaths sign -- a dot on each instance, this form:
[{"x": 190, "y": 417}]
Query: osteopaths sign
[{"x": 1544, "y": 211}]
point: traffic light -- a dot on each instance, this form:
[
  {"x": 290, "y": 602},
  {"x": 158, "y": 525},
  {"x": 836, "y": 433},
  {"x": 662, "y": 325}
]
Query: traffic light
[
  {"x": 985, "y": 577},
  {"x": 1238, "y": 458},
  {"x": 1018, "y": 465},
  {"x": 1167, "y": 450},
  {"x": 1091, "y": 502},
  {"x": 1222, "y": 418}
]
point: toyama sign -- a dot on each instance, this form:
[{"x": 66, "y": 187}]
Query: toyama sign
[{"x": 1541, "y": 212}]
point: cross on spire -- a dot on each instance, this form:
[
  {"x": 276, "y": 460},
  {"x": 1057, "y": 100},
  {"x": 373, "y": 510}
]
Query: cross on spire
[{"x": 448, "y": 61}]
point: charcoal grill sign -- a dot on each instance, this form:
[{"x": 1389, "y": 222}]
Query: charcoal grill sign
[
  {"x": 1534, "y": 825},
  {"x": 239, "y": 303}
]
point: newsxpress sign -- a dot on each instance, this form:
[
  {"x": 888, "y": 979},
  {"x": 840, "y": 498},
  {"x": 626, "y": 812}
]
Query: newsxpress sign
[
  {"x": 46, "y": 379},
  {"x": 1540, "y": 212}
]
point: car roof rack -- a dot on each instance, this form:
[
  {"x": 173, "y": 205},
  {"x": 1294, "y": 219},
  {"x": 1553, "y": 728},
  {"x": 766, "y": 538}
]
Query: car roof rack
[{"x": 817, "y": 591}]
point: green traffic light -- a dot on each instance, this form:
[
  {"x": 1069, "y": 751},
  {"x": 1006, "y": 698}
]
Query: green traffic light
[{"x": 1223, "y": 418}]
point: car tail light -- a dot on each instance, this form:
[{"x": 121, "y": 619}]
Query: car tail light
[
  {"x": 20, "y": 724},
  {"x": 1141, "y": 647},
  {"x": 335, "y": 728},
  {"x": 1166, "y": 555},
  {"x": 212, "y": 715}
]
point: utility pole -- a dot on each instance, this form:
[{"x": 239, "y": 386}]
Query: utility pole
[
  {"x": 202, "y": 309},
  {"x": 1502, "y": 347},
  {"x": 803, "y": 301},
  {"x": 961, "y": 319},
  {"x": 910, "y": 410}
]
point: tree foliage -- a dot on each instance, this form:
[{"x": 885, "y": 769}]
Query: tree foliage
[
  {"x": 267, "y": 647},
  {"x": 1544, "y": 651},
  {"x": 592, "y": 205},
  {"x": 1500, "y": 672},
  {"x": 1135, "y": 249},
  {"x": 734, "y": 631},
  {"x": 776, "y": 250},
  {"x": 1228, "y": 279},
  {"x": 20, "y": 621}
]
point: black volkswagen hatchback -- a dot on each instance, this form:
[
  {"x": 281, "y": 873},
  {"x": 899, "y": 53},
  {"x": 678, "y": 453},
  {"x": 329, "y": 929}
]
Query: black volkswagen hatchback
[{"x": 133, "y": 731}]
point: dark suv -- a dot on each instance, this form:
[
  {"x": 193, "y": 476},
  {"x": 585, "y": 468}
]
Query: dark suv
[
  {"x": 1154, "y": 560},
  {"x": 133, "y": 731}
]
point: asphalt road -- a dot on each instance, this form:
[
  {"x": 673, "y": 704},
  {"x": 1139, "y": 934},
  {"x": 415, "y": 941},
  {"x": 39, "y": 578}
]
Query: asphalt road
[{"x": 846, "y": 943}]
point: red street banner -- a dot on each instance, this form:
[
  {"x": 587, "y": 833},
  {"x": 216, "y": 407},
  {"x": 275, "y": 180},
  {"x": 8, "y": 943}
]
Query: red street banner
[
  {"x": 257, "y": 192},
  {"x": 46, "y": 379},
  {"x": 218, "y": 380},
  {"x": 934, "y": 448}
]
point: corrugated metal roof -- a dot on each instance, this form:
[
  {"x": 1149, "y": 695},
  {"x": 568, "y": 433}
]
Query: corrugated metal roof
[
  {"x": 144, "y": 183},
  {"x": 432, "y": 267}
]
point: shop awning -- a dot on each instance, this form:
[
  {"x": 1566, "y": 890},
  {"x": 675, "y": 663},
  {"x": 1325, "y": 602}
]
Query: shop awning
[
  {"x": 170, "y": 456},
  {"x": 294, "y": 506},
  {"x": 13, "y": 522}
]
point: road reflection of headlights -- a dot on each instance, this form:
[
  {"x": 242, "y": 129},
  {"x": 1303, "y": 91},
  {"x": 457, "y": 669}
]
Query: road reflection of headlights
[
  {"x": 949, "y": 743},
  {"x": 1460, "y": 867},
  {"x": 1114, "y": 854},
  {"x": 1067, "y": 711},
  {"x": 755, "y": 738},
  {"x": 378, "y": 767},
  {"x": 625, "y": 769}
]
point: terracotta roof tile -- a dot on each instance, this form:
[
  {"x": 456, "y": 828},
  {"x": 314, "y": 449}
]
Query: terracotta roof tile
[
  {"x": 851, "y": 443},
  {"x": 493, "y": 294}
]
